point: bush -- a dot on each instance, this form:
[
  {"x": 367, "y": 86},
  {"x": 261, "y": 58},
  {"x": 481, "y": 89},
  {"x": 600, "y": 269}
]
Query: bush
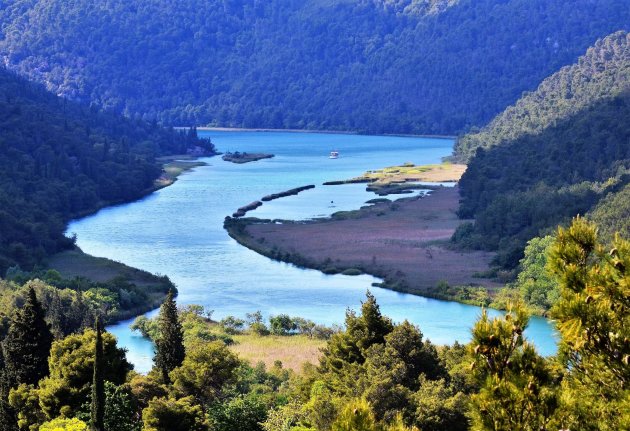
[
  {"x": 259, "y": 328},
  {"x": 282, "y": 324},
  {"x": 232, "y": 325}
]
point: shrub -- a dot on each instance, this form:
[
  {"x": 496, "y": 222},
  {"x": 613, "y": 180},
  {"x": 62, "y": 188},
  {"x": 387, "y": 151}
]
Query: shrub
[
  {"x": 232, "y": 325},
  {"x": 282, "y": 324}
]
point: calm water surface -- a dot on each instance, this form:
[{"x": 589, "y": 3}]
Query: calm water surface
[{"x": 178, "y": 231}]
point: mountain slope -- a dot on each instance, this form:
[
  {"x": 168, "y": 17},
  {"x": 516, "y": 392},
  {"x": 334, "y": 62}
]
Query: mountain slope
[
  {"x": 604, "y": 71},
  {"x": 524, "y": 188},
  {"x": 435, "y": 66},
  {"x": 558, "y": 153},
  {"x": 59, "y": 159}
]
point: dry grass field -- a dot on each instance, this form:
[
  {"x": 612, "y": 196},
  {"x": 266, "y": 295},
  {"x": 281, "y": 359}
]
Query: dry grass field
[
  {"x": 443, "y": 172},
  {"x": 293, "y": 351}
]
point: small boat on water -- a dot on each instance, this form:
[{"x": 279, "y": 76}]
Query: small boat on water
[{"x": 334, "y": 155}]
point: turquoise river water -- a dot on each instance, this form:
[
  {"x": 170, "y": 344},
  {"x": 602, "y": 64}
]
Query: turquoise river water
[{"x": 178, "y": 231}]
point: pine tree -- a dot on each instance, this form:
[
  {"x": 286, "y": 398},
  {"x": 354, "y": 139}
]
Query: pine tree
[
  {"x": 27, "y": 345},
  {"x": 375, "y": 325},
  {"x": 98, "y": 383},
  {"x": 518, "y": 388},
  {"x": 170, "y": 351},
  {"x": 593, "y": 318}
]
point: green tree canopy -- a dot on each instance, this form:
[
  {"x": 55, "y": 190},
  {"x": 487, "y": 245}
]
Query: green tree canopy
[
  {"x": 169, "y": 347},
  {"x": 207, "y": 369},
  {"x": 538, "y": 288},
  {"x": 169, "y": 414},
  {"x": 63, "y": 424},
  {"x": 593, "y": 316},
  {"x": 28, "y": 342},
  {"x": 72, "y": 369}
]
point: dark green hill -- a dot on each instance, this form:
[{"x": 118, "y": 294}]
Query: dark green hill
[
  {"x": 404, "y": 66},
  {"x": 524, "y": 188},
  {"x": 604, "y": 71},
  {"x": 59, "y": 160},
  {"x": 612, "y": 214},
  {"x": 556, "y": 153}
]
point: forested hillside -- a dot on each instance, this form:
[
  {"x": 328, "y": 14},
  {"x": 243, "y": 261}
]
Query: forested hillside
[
  {"x": 404, "y": 66},
  {"x": 59, "y": 159},
  {"x": 539, "y": 176},
  {"x": 604, "y": 71}
]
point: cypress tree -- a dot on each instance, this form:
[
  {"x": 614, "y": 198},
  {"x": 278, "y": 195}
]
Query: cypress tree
[
  {"x": 97, "y": 410},
  {"x": 27, "y": 345},
  {"x": 169, "y": 346},
  {"x": 8, "y": 418}
]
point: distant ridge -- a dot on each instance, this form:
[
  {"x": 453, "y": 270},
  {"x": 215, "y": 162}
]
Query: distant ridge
[{"x": 372, "y": 66}]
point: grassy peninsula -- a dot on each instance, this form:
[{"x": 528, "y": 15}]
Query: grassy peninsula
[
  {"x": 174, "y": 166},
  {"x": 405, "y": 242},
  {"x": 403, "y": 179}
]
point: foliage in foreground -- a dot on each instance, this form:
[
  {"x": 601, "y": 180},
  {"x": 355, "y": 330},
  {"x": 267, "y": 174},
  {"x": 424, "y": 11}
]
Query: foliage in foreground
[{"x": 374, "y": 375}]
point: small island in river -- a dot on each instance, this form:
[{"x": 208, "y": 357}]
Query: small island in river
[{"x": 240, "y": 158}]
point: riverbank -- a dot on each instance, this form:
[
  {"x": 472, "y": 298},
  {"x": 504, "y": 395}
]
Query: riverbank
[
  {"x": 75, "y": 263},
  {"x": 327, "y": 132},
  {"x": 405, "y": 243}
]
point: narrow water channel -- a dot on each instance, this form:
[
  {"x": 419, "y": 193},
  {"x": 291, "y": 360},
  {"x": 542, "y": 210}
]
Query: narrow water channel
[{"x": 178, "y": 231}]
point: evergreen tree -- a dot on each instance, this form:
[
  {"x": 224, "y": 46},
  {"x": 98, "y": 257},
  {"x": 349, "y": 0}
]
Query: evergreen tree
[
  {"x": 28, "y": 342},
  {"x": 169, "y": 346},
  {"x": 593, "y": 317},
  {"x": 8, "y": 419},
  {"x": 375, "y": 325},
  {"x": 518, "y": 387},
  {"x": 362, "y": 332},
  {"x": 98, "y": 382}
]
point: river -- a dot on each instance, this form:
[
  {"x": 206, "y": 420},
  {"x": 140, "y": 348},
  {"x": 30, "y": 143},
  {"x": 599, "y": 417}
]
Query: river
[{"x": 178, "y": 231}]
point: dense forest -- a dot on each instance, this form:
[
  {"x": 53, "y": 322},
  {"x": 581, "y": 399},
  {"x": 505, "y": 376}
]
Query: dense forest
[
  {"x": 88, "y": 130},
  {"x": 372, "y": 375},
  {"x": 603, "y": 72},
  {"x": 528, "y": 179},
  {"x": 59, "y": 159},
  {"x": 405, "y": 66}
]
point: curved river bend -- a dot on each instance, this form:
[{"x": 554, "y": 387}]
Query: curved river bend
[{"x": 178, "y": 231}]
